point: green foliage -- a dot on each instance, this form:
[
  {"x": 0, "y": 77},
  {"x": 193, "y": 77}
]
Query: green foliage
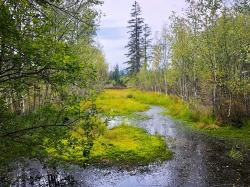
[
  {"x": 193, "y": 114},
  {"x": 22, "y": 136},
  {"x": 139, "y": 43},
  {"x": 116, "y": 77},
  {"x": 129, "y": 146},
  {"x": 121, "y": 146},
  {"x": 204, "y": 56},
  {"x": 76, "y": 145},
  {"x": 232, "y": 133},
  {"x": 235, "y": 154},
  {"x": 48, "y": 64},
  {"x": 90, "y": 142},
  {"x": 116, "y": 102}
]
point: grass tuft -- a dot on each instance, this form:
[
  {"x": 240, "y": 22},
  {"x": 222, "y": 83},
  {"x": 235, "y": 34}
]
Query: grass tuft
[
  {"x": 235, "y": 154},
  {"x": 129, "y": 145}
]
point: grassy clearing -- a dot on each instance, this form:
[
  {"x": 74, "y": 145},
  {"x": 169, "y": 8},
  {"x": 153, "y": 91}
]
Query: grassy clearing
[
  {"x": 194, "y": 115},
  {"x": 131, "y": 146},
  {"x": 117, "y": 102},
  {"x": 124, "y": 146},
  {"x": 121, "y": 146},
  {"x": 112, "y": 100}
]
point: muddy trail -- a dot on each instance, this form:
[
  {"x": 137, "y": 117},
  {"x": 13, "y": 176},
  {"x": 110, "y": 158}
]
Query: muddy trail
[{"x": 198, "y": 160}]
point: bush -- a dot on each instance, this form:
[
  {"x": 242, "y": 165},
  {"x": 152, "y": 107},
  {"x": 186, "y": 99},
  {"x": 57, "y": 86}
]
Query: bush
[{"x": 130, "y": 96}]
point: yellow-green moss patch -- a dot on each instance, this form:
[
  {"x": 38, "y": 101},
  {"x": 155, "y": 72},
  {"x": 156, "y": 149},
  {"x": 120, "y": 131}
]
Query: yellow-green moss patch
[
  {"x": 116, "y": 102},
  {"x": 192, "y": 114},
  {"x": 121, "y": 146},
  {"x": 129, "y": 145}
]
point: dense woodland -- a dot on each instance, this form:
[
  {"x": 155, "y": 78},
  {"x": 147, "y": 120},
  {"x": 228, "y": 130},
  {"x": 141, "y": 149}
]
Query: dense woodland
[
  {"x": 202, "y": 57},
  {"x": 49, "y": 62}
]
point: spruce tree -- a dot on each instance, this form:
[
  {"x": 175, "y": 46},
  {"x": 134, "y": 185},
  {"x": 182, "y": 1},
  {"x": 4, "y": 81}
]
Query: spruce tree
[
  {"x": 135, "y": 49},
  {"x": 147, "y": 43}
]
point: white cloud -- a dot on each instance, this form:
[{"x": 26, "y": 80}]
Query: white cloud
[{"x": 117, "y": 14}]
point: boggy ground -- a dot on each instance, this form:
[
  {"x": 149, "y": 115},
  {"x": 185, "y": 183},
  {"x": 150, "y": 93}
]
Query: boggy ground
[
  {"x": 198, "y": 160},
  {"x": 124, "y": 146},
  {"x": 126, "y": 101}
]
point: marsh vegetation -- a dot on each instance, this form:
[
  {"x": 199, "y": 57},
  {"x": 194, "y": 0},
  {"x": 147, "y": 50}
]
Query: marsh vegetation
[{"x": 180, "y": 115}]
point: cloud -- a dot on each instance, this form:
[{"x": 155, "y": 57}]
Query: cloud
[
  {"x": 114, "y": 50},
  {"x": 113, "y": 32}
]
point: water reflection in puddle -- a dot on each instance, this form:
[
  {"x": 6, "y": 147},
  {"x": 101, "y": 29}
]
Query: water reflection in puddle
[{"x": 198, "y": 161}]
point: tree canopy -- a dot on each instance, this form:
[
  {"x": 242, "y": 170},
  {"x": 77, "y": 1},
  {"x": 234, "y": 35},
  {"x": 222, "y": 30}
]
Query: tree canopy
[{"x": 49, "y": 63}]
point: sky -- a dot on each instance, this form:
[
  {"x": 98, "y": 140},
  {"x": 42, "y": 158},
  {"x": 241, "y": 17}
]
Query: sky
[{"x": 112, "y": 34}]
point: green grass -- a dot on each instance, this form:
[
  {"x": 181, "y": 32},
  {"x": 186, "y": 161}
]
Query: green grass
[
  {"x": 129, "y": 145},
  {"x": 194, "y": 115},
  {"x": 116, "y": 102},
  {"x": 121, "y": 146},
  {"x": 137, "y": 116},
  {"x": 127, "y": 101},
  {"x": 124, "y": 146},
  {"x": 242, "y": 134},
  {"x": 235, "y": 154}
]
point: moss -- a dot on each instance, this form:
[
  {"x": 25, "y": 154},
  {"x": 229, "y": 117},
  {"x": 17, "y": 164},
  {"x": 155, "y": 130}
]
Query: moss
[
  {"x": 193, "y": 115},
  {"x": 125, "y": 146},
  {"x": 115, "y": 102},
  {"x": 129, "y": 145}
]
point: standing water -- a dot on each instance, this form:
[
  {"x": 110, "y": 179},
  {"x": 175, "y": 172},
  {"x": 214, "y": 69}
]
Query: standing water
[{"x": 198, "y": 161}]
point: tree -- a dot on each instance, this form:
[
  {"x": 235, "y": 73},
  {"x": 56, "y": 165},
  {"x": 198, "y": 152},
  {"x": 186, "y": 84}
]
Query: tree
[
  {"x": 135, "y": 50},
  {"x": 204, "y": 57},
  {"x": 48, "y": 65},
  {"x": 116, "y": 76},
  {"x": 242, "y": 6},
  {"x": 147, "y": 43}
]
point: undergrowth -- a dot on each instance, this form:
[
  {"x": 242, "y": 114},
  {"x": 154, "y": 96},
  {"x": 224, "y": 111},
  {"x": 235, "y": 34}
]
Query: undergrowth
[
  {"x": 193, "y": 114},
  {"x": 124, "y": 146}
]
